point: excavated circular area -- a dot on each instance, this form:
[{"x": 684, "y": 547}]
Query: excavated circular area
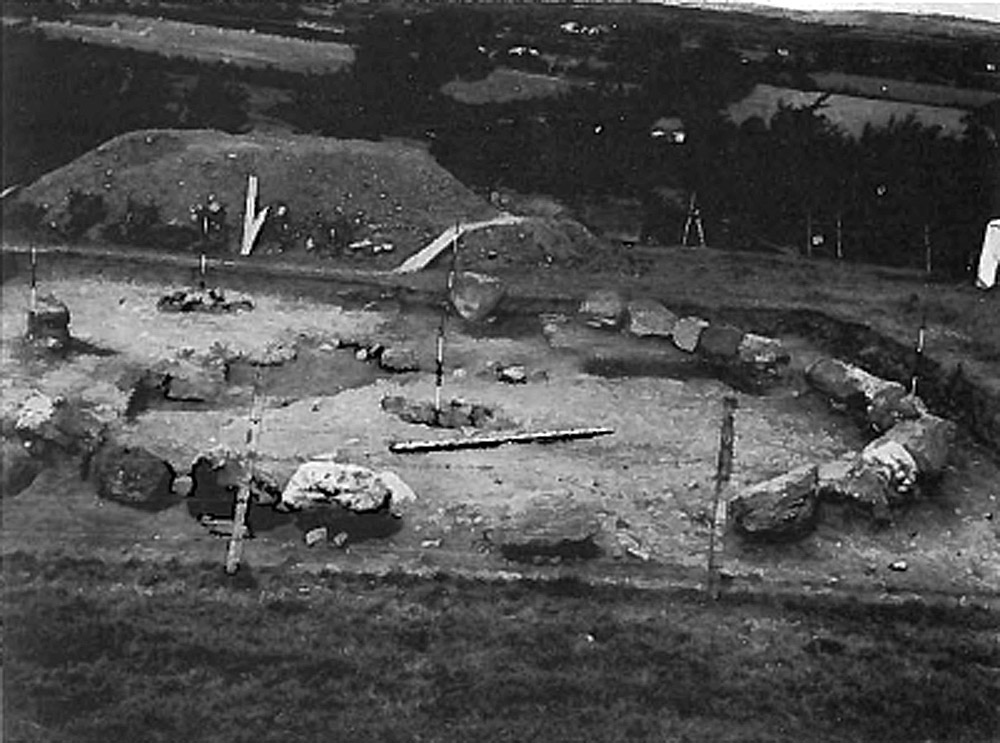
[{"x": 634, "y": 504}]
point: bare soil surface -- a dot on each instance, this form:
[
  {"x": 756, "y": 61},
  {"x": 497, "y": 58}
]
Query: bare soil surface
[{"x": 648, "y": 487}]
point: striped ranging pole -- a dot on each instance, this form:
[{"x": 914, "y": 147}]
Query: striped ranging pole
[
  {"x": 918, "y": 362},
  {"x": 234, "y": 552},
  {"x": 439, "y": 370},
  {"x": 34, "y": 280},
  {"x": 202, "y": 269},
  {"x": 724, "y": 469}
]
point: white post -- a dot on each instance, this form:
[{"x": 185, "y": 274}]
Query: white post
[{"x": 252, "y": 221}]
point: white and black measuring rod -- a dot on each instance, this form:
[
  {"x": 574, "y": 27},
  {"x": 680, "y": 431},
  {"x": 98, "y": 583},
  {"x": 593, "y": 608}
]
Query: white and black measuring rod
[{"x": 439, "y": 357}]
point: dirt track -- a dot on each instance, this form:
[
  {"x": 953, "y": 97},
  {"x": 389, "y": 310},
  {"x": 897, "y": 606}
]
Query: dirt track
[{"x": 649, "y": 485}]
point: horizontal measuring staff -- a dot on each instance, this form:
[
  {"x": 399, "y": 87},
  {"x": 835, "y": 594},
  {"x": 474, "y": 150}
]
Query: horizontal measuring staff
[{"x": 494, "y": 440}]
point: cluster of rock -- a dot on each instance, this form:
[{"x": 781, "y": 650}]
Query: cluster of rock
[
  {"x": 717, "y": 343},
  {"x": 453, "y": 413},
  {"x": 890, "y": 471},
  {"x": 203, "y": 300},
  {"x": 44, "y": 430},
  {"x": 394, "y": 359},
  {"x": 329, "y": 499}
]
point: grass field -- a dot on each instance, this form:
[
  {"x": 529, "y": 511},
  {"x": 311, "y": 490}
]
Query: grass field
[
  {"x": 505, "y": 85},
  {"x": 850, "y": 114},
  {"x": 147, "y": 652},
  {"x": 204, "y": 43}
]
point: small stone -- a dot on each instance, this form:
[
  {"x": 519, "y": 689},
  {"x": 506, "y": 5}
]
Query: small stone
[
  {"x": 761, "y": 351},
  {"x": 315, "y": 536},
  {"x": 340, "y": 539},
  {"x": 399, "y": 360},
  {"x": 899, "y": 566},
  {"x": 513, "y": 374},
  {"x": 183, "y": 485},
  {"x": 430, "y": 543}
]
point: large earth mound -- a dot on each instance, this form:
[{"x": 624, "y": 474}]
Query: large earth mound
[
  {"x": 372, "y": 202},
  {"x": 385, "y": 192}
]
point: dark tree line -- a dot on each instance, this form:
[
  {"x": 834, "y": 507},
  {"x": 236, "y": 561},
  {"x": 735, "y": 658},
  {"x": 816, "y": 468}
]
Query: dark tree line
[
  {"x": 62, "y": 98},
  {"x": 878, "y": 197}
]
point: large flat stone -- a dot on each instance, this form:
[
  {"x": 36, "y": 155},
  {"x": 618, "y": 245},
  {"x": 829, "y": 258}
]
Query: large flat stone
[
  {"x": 603, "y": 308},
  {"x": 780, "y": 509},
  {"x": 762, "y": 352},
  {"x": 895, "y": 465},
  {"x": 890, "y": 405},
  {"x": 720, "y": 342},
  {"x": 548, "y": 532},
  {"x": 851, "y": 481},
  {"x": 17, "y": 468},
  {"x": 647, "y": 318},
  {"x": 132, "y": 476},
  {"x": 687, "y": 332},
  {"x": 846, "y": 383},
  {"x": 474, "y": 295},
  {"x": 927, "y": 439}
]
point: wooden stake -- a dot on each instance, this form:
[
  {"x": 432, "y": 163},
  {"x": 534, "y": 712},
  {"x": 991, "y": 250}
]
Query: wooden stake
[
  {"x": 439, "y": 371},
  {"x": 494, "y": 440},
  {"x": 234, "y": 553},
  {"x": 809, "y": 233},
  {"x": 723, "y": 471},
  {"x": 840, "y": 237},
  {"x": 34, "y": 280},
  {"x": 918, "y": 361},
  {"x": 693, "y": 220},
  {"x": 928, "y": 265}
]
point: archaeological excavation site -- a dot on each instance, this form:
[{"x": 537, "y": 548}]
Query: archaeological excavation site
[{"x": 432, "y": 372}]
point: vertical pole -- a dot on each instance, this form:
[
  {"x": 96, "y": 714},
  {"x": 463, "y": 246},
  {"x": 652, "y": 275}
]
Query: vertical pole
[
  {"x": 692, "y": 205},
  {"x": 234, "y": 553},
  {"x": 918, "y": 360},
  {"x": 202, "y": 269},
  {"x": 809, "y": 233},
  {"x": 840, "y": 237},
  {"x": 439, "y": 371},
  {"x": 34, "y": 280},
  {"x": 723, "y": 471},
  {"x": 928, "y": 264}
]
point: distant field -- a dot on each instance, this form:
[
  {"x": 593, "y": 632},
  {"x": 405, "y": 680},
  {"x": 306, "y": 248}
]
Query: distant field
[
  {"x": 848, "y": 113},
  {"x": 504, "y": 85},
  {"x": 902, "y": 90},
  {"x": 204, "y": 43}
]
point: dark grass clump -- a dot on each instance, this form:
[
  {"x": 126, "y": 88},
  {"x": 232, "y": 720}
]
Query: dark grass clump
[{"x": 176, "y": 652}]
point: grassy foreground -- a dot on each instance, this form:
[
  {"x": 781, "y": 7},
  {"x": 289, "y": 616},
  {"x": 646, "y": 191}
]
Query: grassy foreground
[{"x": 143, "y": 652}]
